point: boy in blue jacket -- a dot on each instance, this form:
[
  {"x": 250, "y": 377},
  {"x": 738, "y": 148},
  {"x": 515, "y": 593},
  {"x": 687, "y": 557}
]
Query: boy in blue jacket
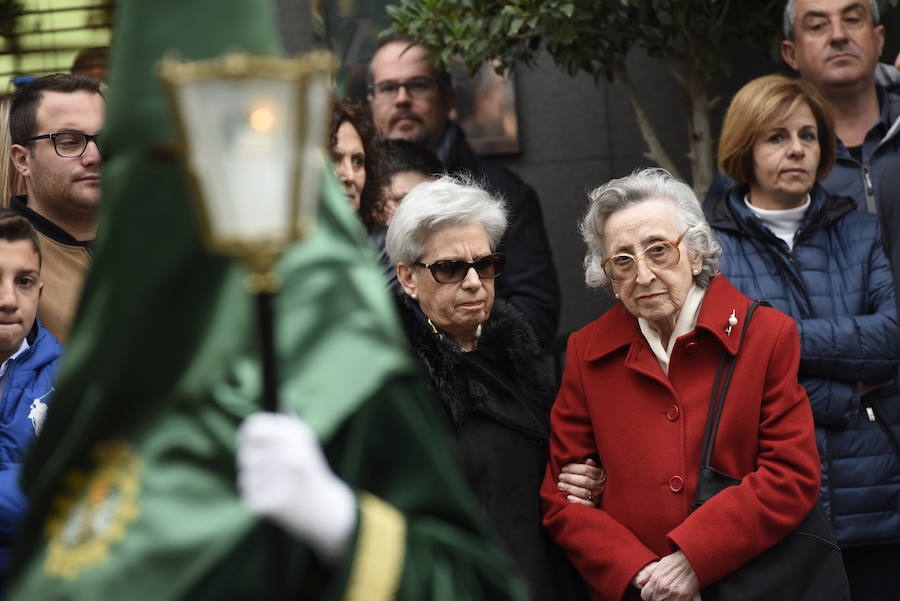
[{"x": 28, "y": 359}]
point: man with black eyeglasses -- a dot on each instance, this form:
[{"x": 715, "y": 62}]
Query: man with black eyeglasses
[
  {"x": 55, "y": 124},
  {"x": 411, "y": 98}
]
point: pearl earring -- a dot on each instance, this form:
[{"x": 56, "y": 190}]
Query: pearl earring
[{"x": 696, "y": 271}]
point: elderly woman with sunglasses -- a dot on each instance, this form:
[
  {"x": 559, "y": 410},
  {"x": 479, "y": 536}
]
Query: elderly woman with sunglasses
[
  {"x": 636, "y": 392},
  {"x": 482, "y": 363}
]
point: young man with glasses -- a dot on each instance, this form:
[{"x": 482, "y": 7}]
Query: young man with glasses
[
  {"x": 411, "y": 99},
  {"x": 55, "y": 124}
]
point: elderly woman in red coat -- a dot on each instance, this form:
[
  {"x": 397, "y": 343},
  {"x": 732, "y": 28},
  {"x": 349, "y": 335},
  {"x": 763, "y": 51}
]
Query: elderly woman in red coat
[{"x": 636, "y": 392}]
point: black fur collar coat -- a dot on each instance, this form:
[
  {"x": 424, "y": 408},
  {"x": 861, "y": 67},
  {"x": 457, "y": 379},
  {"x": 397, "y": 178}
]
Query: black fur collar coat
[
  {"x": 497, "y": 399},
  {"x": 505, "y": 378}
]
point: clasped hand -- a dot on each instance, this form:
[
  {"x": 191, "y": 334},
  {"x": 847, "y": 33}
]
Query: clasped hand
[
  {"x": 583, "y": 482},
  {"x": 672, "y": 578}
]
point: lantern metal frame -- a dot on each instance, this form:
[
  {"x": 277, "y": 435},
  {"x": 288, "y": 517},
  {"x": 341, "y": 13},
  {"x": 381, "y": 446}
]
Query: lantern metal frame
[{"x": 261, "y": 254}]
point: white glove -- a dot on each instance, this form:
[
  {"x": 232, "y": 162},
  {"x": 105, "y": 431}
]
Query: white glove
[{"x": 283, "y": 475}]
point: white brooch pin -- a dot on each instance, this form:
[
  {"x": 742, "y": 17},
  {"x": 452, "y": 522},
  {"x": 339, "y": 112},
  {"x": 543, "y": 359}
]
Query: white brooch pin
[{"x": 732, "y": 321}]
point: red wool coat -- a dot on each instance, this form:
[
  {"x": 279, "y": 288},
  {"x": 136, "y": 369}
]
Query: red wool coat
[{"x": 647, "y": 428}]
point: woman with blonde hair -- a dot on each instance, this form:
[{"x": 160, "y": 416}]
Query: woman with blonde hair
[
  {"x": 819, "y": 259},
  {"x": 11, "y": 183}
]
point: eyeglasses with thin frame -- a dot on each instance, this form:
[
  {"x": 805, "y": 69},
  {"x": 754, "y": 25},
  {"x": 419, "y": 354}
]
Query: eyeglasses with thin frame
[
  {"x": 451, "y": 271},
  {"x": 70, "y": 144},
  {"x": 659, "y": 255},
  {"x": 417, "y": 87}
]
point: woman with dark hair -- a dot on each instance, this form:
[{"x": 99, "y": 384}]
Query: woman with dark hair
[
  {"x": 406, "y": 165},
  {"x": 358, "y": 160}
]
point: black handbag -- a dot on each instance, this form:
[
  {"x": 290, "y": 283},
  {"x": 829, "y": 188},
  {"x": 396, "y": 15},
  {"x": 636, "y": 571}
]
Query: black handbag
[{"x": 806, "y": 565}]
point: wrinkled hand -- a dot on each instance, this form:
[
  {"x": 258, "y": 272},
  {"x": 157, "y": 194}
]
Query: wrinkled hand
[
  {"x": 283, "y": 475},
  {"x": 644, "y": 575},
  {"x": 673, "y": 579},
  {"x": 584, "y": 482}
]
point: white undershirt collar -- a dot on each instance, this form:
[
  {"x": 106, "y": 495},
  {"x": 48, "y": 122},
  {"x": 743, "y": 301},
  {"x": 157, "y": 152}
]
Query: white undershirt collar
[
  {"x": 781, "y": 222},
  {"x": 684, "y": 323},
  {"x": 5, "y": 365}
]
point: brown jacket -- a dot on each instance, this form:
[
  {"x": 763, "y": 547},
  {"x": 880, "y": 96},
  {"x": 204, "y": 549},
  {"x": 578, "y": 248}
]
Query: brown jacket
[{"x": 63, "y": 267}]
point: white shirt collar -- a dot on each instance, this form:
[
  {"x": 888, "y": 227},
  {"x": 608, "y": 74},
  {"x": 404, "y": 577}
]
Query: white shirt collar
[
  {"x": 684, "y": 323},
  {"x": 22, "y": 348}
]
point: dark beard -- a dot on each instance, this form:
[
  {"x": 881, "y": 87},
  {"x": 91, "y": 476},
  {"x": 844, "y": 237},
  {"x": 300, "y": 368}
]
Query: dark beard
[{"x": 421, "y": 138}]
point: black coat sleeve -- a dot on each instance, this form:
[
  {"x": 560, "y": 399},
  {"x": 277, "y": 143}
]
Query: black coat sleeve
[
  {"x": 529, "y": 281},
  {"x": 889, "y": 214}
]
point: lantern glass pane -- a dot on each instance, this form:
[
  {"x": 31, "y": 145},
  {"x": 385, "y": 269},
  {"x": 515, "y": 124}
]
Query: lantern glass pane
[
  {"x": 242, "y": 145},
  {"x": 316, "y": 120}
]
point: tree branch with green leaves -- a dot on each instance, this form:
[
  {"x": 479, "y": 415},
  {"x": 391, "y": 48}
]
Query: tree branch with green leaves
[{"x": 596, "y": 37}]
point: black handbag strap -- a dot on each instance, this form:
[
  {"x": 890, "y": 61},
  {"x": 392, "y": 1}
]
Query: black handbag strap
[{"x": 717, "y": 400}]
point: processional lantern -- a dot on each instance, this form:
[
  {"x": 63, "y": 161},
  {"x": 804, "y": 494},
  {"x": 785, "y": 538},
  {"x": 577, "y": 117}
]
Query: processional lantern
[{"x": 253, "y": 134}]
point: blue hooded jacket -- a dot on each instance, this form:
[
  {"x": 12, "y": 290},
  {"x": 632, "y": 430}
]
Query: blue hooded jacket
[
  {"x": 26, "y": 394},
  {"x": 836, "y": 283}
]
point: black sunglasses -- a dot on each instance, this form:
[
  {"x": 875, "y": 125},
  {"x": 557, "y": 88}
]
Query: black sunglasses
[{"x": 454, "y": 270}]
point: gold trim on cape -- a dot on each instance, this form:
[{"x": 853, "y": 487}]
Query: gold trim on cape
[{"x": 380, "y": 552}]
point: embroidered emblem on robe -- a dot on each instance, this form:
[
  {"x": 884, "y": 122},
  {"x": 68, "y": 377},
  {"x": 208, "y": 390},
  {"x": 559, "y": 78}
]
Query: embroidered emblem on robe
[{"x": 93, "y": 510}]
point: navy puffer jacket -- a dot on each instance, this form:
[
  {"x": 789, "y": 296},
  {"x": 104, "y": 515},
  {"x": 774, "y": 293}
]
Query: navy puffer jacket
[{"x": 837, "y": 285}]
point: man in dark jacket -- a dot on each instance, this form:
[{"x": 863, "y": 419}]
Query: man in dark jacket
[
  {"x": 835, "y": 45},
  {"x": 411, "y": 98},
  {"x": 28, "y": 358}
]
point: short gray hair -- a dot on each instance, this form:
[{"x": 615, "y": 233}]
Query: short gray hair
[
  {"x": 640, "y": 186},
  {"x": 789, "y": 19},
  {"x": 431, "y": 206}
]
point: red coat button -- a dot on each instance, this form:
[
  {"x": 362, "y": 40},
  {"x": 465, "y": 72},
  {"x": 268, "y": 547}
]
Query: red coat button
[
  {"x": 676, "y": 483},
  {"x": 691, "y": 347},
  {"x": 672, "y": 412}
]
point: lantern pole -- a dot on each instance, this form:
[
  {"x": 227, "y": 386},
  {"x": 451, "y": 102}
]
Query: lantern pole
[{"x": 264, "y": 286}]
